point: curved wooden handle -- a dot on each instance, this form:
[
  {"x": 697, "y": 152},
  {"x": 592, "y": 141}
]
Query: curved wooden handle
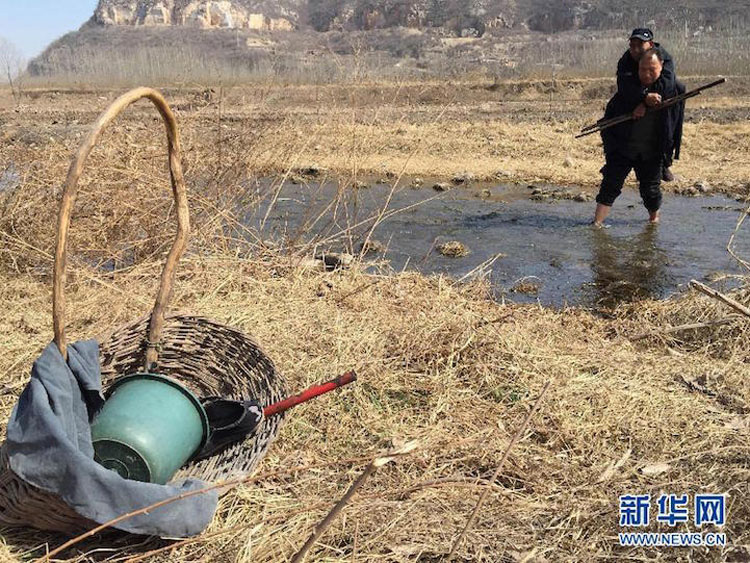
[{"x": 68, "y": 200}]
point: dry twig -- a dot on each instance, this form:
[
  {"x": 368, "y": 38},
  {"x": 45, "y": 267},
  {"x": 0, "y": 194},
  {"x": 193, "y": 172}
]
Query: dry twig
[
  {"x": 739, "y": 307},
  {"x": 681, "y": 328},
  {"x": 487, "y": 490},
  {"x": 369, "y": 470}
]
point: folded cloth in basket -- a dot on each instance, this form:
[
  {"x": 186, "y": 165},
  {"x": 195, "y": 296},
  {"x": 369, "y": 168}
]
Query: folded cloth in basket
[{"x": 49, "y": 446}]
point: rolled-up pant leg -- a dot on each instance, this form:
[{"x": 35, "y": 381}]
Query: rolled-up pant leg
[
  {"x": 614, "y": 172},
  {"x": 648, "y": 173}
]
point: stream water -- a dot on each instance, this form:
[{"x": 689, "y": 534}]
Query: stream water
[{"x": 549, "y": 245}]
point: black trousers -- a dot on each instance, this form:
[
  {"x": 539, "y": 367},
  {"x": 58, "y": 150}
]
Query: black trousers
[{"x": 647, "y": 171}]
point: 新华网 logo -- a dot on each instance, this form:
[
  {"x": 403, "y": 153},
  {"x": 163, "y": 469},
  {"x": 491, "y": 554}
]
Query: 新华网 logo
[{"x": 673, "y": 510}]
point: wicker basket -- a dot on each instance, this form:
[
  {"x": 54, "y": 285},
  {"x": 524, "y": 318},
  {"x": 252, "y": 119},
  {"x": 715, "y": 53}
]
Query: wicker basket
[{"x": 205, "y": 356}]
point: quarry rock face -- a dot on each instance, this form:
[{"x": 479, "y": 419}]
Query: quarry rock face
[
  {"x": 461, "y": 18},
  {"x": 320, "y": 14},
  {"x": 196, "y": 13}
]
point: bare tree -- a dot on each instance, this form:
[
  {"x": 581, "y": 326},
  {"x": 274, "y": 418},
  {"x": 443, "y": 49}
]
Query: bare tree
[{"x": 11, "y": 66}]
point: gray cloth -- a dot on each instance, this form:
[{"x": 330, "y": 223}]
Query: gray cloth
[{"x": 49, "y": 446}]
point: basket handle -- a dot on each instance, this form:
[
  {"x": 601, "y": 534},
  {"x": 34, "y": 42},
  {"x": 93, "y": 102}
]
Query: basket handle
[{"x": 68, "y": 200}]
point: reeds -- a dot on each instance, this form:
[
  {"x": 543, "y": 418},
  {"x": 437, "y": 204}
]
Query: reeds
[{"x": 130, "y": 56}]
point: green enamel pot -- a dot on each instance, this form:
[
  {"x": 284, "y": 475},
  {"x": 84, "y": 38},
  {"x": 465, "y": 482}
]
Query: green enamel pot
[{"x": 148, "y": 428}]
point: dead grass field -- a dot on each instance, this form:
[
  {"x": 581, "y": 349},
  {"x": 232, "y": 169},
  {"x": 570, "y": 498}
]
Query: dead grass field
[
  {"x": 439, "y": 362},
  {"x": 447, "y": 366},
  {"x": 522, "y": 130}
]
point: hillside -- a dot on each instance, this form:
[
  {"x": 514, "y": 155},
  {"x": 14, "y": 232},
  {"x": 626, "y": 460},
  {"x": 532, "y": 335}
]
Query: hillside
[
  {"x": 459, "y": 16},
  {"x": 167, "y": 41}
]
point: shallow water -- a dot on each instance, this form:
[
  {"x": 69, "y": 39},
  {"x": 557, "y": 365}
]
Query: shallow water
[{"x": 549, "y": 244}]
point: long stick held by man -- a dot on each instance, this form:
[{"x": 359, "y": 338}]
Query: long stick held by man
[{"x": 642, "y": 143}]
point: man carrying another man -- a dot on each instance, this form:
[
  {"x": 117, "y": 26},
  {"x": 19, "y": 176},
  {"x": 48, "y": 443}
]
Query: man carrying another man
[
  {"x": 629, "y": 86},
  {"x": 640, "y": 144}
]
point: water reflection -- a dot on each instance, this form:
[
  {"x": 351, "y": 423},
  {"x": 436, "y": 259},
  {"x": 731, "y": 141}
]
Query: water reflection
[
  {"x": 628, "y": 269},
  {"x": 548, "y": 241}
]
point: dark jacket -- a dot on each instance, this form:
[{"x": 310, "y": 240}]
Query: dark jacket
[{"x": 630, "y": 93}]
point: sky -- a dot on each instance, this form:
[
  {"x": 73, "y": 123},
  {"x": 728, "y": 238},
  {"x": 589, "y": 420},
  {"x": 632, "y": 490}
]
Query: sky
[{"x": 31, "y": 25}]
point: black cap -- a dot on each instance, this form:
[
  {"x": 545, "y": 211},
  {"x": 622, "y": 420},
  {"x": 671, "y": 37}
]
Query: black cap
[{"x": 642, "y": 33}]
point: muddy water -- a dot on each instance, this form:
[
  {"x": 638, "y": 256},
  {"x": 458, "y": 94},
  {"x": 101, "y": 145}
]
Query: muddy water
[{"x": 550, "y": 252}]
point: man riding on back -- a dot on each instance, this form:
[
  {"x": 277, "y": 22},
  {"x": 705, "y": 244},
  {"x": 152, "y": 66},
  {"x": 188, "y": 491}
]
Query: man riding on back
[
  {"x": 630, "y": 89},
  {"x": 639, "y": 144}
]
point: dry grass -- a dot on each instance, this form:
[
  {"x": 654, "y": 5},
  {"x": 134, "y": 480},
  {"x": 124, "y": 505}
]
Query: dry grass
[
  {"x": 430, "y": 130},
  {"x": 439, "y": 362},
  {"x": 445, "y": 365},
  {"x": 453, "y": 248}
]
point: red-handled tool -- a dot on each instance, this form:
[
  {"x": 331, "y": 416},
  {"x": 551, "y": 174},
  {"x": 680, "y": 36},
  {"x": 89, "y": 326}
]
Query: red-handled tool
[{"x": 311, "y": 393}]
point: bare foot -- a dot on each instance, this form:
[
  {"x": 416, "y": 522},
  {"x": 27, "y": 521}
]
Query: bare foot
[
  {"x": 654, "y": 217},
  {"x": 601, "y": 213}
]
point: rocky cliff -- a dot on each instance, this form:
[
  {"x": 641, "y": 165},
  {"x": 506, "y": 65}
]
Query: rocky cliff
[
  {"x": 462, "y": 17},
  {"x": 241, "y": 14}
]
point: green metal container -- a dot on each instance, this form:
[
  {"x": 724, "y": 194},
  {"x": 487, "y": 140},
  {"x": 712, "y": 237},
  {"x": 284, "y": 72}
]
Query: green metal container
[{"x": 148, "y": 428}]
